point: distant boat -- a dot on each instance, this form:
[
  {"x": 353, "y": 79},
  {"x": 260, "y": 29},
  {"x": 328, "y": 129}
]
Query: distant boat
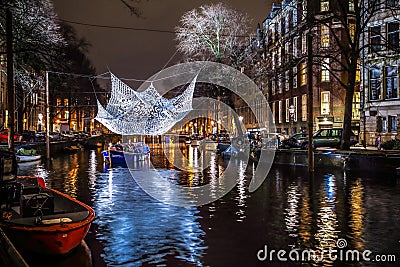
[
  {"x": 39, "y": 219},
  {"x": 128, "y": 152},
  {"x": 21, "y": 158},
  {"x": 26, "y": 154}
]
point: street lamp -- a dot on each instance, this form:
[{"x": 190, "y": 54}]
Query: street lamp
[{"x": 292, "y": 110}]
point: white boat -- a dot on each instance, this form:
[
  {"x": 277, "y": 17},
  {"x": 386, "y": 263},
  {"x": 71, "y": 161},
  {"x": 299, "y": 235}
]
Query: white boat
[
  {"x": 29, "y": 158},
  {"x": 26, "y": 154}
]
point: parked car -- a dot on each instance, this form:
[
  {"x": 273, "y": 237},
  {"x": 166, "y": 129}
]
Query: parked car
[
  {"x": 329, "y": 138},
  {"x": 4, "y": 136},
  {"x": 294, "y": 141}
]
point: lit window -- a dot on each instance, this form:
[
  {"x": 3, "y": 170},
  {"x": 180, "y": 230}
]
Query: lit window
[
  {"x": 375, "y": 84},
  {"x": 66, "y": 115},
  {"x": 294, "y": 77},
  {"x": 295, "y": 47},
  {"x": 280, "y": 84},
  {"x": 391, "y": 82},
  {"x": 303, "y": 74},
  {"x": 351, "y": 6},
  {"x": 352, "y": 29},
  {"x": 273, "y": 112},
  {"x": 304, "y": 107},
  {"x": 324, "y": 5},
  {"x": 325, "y": 101},
  {"x": 325, "y": 70},
  {"x": 280, "y": 111},
  {"x": 287, "y": 80},
  {"x": 295, "y": 108},
  {"x": 287, "y": 110},
  {"x": 58, "y": 102},
  {"x": 324, "y": 36},
  {"x": 358, "y": 72},
  {"x": 356, "y": 106},
  {"x": 304, "y": 44}
]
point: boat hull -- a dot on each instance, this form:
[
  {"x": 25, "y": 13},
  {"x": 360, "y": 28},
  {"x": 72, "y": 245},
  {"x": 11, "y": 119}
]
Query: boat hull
[
  {"x": 52, "y": 239},
  {"x": 21, "y": 158},
  {"x": 120, "y": 157}
]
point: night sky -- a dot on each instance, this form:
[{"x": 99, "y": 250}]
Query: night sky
[{"x": 139, "y": 54}]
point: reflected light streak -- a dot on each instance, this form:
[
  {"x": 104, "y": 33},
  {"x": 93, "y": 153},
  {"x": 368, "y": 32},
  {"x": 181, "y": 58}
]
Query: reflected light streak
[
  {"x": 292, "y": 210},
  {"x": 327, "y": 233},
  {"x": 357, "y": 213},
  {"x": 70, "y": 186},
  {"x": 241, "y": 187}
]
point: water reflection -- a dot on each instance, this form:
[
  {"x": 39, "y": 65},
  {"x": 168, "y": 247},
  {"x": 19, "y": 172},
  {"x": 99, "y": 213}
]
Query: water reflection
[
  {"x": 138, "y": 229},
  {"x": 288, "y": 210},
  {"x": 327, "y": 224},
  {"x": 356, "y": 213}
]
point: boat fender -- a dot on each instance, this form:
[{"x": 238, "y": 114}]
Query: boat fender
[{"x": 56, "y": 221}]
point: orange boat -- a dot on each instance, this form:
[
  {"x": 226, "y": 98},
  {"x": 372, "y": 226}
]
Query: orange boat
[{"x": 39, "y": 219}]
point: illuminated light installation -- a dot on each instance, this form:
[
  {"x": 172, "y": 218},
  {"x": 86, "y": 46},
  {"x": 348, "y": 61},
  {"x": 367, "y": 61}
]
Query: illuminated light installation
[{"x": 143, "y": 113}]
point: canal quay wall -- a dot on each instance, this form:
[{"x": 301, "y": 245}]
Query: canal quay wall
[{"x": 357, "y": 160}]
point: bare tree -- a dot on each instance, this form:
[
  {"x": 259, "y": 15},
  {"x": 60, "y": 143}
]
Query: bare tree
[{"x": 212, "y": 32}]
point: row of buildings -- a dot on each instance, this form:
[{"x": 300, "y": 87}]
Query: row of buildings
[
  {"x": 282, "y": 42},
  {"x": 70, "y": 110}
]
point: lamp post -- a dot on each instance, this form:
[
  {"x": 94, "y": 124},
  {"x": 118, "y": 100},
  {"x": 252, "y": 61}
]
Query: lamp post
[{"x": 291, "y": 110}]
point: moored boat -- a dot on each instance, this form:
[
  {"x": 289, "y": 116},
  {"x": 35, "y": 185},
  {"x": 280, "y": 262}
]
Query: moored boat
[
  {"x": 27, "y": 154},
  {"x": 39, "y": 219},
  {"x": 126, "y": 153}
]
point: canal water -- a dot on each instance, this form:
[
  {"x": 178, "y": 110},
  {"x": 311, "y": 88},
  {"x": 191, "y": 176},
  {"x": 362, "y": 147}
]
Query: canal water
[{"x": 290, "y": 212}]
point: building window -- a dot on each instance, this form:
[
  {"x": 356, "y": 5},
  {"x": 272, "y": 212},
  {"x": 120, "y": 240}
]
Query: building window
[
  {"x": 351, "y": 6},
  {"x": 358, "y": 72},
  {"x": 280, "y": 111},
  {"x": 303, "y": 74},
  {"x": 375, "y": 84},
  {"x": 393, "y": 35},
  {"x": 295, "y": 108},
  {"x": 295, "y": 47},
  {"x": 391, "y": 82},
  {"x": 280, "y": 84},
  {"x": 304, "y": 107},
  {"x": 273, "y": 112},
  {"x": 375, "y": 38},
  {"x": 58, "y": 102},
  {"x": 324, "y": 36},
  {"x": 66, "y": 115},
  {"x": 304, "y": 9},
  {"x": 287, "y": 80},
  {"x": 66, "y": 102},
  {"x": 324, "y": 5},
  {"x": 356, "y": 106},
  {"x": 325, "y": 100},
  {"x": 304, "y": 44},
  {"x": 392, "y": 125},
  {"x": 391, "y": 3},
  {"x": 325, "y": 70},
  {"x": 352, "y": 28},
  {"x": 294, "y": 77},
  {"x": 273, "y": 87},
  {"x": 287, "y": 109}
]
